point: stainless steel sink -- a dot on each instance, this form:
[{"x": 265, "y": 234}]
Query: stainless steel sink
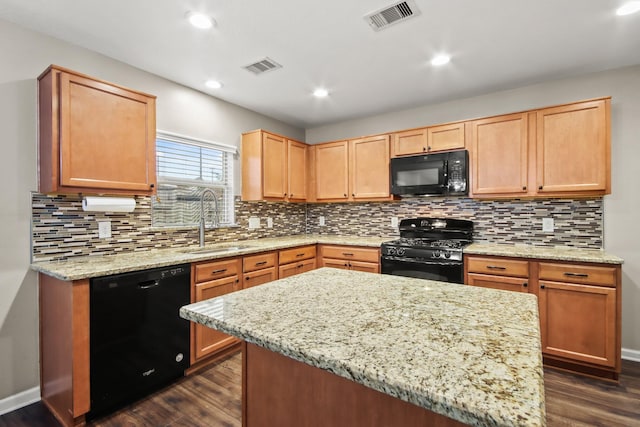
[{"x": 215, "y": 250}]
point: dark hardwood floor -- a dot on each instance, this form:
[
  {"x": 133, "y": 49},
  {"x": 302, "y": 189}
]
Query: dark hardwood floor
[{"x": 212, "y": 398}]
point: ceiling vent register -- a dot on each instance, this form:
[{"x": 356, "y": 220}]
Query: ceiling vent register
[
  {"x": 262, "y": 66},
  {"x": 394, "y": 14}
]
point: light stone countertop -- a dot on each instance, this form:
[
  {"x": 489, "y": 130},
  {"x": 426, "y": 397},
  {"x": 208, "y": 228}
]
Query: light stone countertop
[
  {"x": 104, "y": 265},
  {"x": 542, "y": 252},
  {"x": 469, "y": 353}
]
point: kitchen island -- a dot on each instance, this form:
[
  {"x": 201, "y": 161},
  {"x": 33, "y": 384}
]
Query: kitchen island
[{"x": 456, "y": 354}]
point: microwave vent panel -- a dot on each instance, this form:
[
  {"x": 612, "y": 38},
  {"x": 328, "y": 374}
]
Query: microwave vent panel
[{"x": 394, "y": 14}]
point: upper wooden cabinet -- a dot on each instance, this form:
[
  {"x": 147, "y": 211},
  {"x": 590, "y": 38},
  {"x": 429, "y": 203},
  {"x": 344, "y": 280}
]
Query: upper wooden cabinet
[
  {"x": 353, "y": 170},
  {"x": 273, "y": 167},
  {"x": 573, "y": 148},
  {"x": 430, "y": 139},
  {"x": 562, "y": 151},
  {"x": 499, "y": 156},
  {"x": 94, "y": 137}
]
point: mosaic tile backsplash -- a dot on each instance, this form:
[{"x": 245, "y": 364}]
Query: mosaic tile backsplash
[{"x": 61, "y": 229}]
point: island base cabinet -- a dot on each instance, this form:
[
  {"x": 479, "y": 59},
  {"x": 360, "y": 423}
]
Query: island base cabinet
[{"x": 280, "y": 391}]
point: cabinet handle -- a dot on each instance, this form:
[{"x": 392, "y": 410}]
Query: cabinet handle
[
  {"x": 525, "y": 284},
  {"x": 299, "y": 255},
  {"x": 300, "y": 266},
  {"x": 261, "y": 263},
  {"x": 576, "y": 274},
  {"x": 540, "y": 187},
  {"x": 347, "y": 254},
  {"x": 541, "y": 286},
  {"x": 495, "y": 267},
  {"x": 524, "y": 188},
  {"x": 218, "y": 271}
]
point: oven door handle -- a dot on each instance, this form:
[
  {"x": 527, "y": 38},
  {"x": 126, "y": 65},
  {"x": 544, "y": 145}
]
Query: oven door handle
[{"x": 421, "y": 262}]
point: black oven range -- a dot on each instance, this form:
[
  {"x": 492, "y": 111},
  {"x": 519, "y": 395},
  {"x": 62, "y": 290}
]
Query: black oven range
[{"x": 428, "y": 248}]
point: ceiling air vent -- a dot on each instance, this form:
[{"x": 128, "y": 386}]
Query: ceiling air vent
[
  {"x": 393, "y": 14},
  {"x": 262, "y": 66}
]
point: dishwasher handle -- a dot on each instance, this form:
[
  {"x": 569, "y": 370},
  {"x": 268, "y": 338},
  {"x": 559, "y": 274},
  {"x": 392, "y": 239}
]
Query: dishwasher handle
[{"x": 148, "y": 284}]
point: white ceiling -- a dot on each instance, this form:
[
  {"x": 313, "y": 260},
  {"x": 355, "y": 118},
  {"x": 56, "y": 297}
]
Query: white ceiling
[{"x": 494, "y": 44}]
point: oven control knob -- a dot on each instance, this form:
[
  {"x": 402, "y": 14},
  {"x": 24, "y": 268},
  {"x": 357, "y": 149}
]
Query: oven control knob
[
  {"x": 436, "y": 254},
  {"x": 400, "y": 251},
  {"x": 391, "y": 251},
  {"x": 447, "y": 255}
]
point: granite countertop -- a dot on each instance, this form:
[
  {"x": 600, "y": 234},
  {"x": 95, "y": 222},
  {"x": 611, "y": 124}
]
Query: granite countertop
[
  {"x": 469, "y": 353},
  {"x": 542, "y": 252},
  {"x": 103, "y": 265}
]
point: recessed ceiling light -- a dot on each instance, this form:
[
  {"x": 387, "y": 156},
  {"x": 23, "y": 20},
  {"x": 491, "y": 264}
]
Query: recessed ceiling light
[
  {"x": 440, "y": 60},
  {"x": 320, "y": 93},
  {"x": 213, "y": 84},
  {"x": 628, "y": 8},
  {"x": 200, "y": 20}
]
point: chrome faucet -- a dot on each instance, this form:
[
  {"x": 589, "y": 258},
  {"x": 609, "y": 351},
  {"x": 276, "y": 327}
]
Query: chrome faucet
[{"x": 216, "y": 217}]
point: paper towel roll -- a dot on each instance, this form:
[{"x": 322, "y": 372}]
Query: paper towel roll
[{"x": 108, "y": 204}]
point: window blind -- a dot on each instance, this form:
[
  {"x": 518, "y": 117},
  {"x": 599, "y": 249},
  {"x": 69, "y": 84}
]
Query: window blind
[{"x": 185, "y": 168}]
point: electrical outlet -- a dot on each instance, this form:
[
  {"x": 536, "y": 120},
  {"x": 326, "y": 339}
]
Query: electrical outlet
[
  {"x": 547, "y": 225},
  {"x": 254, "y": 222},
  {"x": 104, "y": 229},
  {"x": 394, "y": 221},
  {"x": 269, "y": 222},
  {"x": 321, "y": 221}
]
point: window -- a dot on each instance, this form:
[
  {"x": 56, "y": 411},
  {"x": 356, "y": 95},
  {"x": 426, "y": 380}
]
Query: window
[{"x": 185, "y": 168}]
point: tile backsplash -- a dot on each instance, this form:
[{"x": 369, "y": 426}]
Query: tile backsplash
[{"x": 61, "y": 229}]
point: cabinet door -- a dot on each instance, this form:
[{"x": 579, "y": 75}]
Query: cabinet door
[
  {"x": 209, "y": 340},
  {"x": 578, "y": 322},
  {"x": 500, "y": 157},
  {"x": 274, "y": 167},
  {"x": 294, "y": 268},
  {"x": 573, "y": 148},
  {"x": 335, "y": 263},
  {"x": 369, "y": 267},
  {"x": 107, "y": 136},
  {"x": 445, "y": 137},
  {"x": 369, "y": 168},
  {"x": 410, "y": 142},
  {"x": 260, "y": 277},
  {"x": 504, "y": 283},
  {"x": 297, "y": 171},
  {"x": 332, "y": 171}
]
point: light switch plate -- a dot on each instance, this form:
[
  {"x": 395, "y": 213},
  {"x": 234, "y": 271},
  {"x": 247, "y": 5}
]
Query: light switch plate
[
  {"x": 269, "y": 222},
  {"x": 321, "y": 221},
  {"x": 254, "y": 222},
  {"x": 394, "y": 221},
  {"x": 547, "y": 225},
  {"x": 104, "y": 229}
]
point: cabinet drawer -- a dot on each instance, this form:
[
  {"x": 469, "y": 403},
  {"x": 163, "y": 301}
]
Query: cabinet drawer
[
  {"x": 257, "y": 262},
  {"x": 296, "y": 268},
  {"x": 297, "y": 254},
  {"x": 352, "y": 253},
  {"x": 207, "y": 271},
  {"x": 592, "y": 275},
  {"x": 516, "y": 284},
  {"x": 259, "y": 277},
  {"x": 498, "y": 266}
]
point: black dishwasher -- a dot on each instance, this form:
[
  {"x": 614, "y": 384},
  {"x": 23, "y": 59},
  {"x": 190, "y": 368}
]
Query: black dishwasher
[{"x": 138, "y": 342}]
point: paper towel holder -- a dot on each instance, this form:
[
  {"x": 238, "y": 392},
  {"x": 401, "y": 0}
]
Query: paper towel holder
[{"x": 108, "y": 204}]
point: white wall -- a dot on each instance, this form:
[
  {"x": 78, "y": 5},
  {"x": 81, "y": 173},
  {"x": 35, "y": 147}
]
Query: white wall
[
  {"x": 621, "y": 208},
  {"x": 24, "y": 55}
]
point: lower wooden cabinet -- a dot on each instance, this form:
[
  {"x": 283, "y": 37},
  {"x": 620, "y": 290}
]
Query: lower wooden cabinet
[
  {"x": 212, "y": 279},
  {"x": 259, "y": 269},
  {"x": 350, "y": 258},
  {"x": 296, "y": 260},
  {"x": 579, "y": 304}
]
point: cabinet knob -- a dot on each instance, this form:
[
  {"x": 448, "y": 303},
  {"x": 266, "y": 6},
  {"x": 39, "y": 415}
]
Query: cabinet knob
[
  {"x": 525, "y": 284},
  {"x": 151, "y": 185},
  {"x": 345, "y": 194},
  {"x": 285, "y": 194},
  {"x": 428, "y": 148},
  {"x": 524, "y": 188},
  {"x": 346, "y": 265},
  {"x": 541, "y": 286},
  {"x": 540, "y": 188},
  {"x": 290, "y": 194},
  {"x": 353, "y": 194},
  {"x": 237, "y": 280},
  {"x": 424, "y": 148},
  {"x": 246, "y": 278}
]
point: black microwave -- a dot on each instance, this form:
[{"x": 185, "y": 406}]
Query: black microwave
[{"x": 438, "y": 174}]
